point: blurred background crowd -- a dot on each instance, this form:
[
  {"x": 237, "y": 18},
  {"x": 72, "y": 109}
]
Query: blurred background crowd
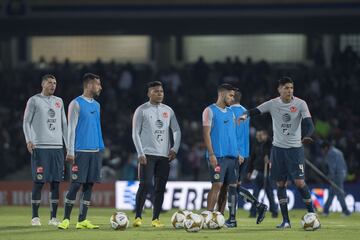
[{"x": 330, "y": 91}]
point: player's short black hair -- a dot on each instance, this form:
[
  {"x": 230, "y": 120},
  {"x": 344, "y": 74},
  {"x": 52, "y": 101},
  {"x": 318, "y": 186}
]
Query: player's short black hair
[
  {"x": 226, "y": 86},
  {"x": 46, "y": 77},
  {"x": 237, "y": 96},
  {"x": 284, "y": 80},
  {"x": 154, "y": 84},
  {"x": 88, "y": 77}
]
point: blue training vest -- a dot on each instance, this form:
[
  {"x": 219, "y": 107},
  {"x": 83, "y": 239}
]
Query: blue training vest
[
  {"x": 242, "y": 130},
  {"x": 88, "y": 134},
  {"x": 223, "y": 133}
]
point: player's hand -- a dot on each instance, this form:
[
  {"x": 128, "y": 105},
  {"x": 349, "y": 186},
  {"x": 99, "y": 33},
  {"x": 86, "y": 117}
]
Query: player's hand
[
  {"x": 213, "y": 161},
  {"x": 30, "y": 146},
  {"x": 70, "y": 158},
  {"x": 172, "y": 155},
  {"x": 241, "y": 160},
  {"x": 243, "y": 117},
  {"x": 307, "y": 140},
  {"x": 142, "y": 160}
]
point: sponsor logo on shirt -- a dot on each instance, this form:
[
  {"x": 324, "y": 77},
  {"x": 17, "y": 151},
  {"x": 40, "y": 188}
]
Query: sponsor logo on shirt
[
  {"x": 286, "y": 117},
  {"x": 165, "y": 114},
  {"x": 159, "y": 123},
  {"x": 51, "y": 113}
]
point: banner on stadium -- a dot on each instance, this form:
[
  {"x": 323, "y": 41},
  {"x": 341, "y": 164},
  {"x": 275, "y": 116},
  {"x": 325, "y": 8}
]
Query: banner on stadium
[
  {"x": 18, "y": 193},
  {"x": 193, "y": 195}
]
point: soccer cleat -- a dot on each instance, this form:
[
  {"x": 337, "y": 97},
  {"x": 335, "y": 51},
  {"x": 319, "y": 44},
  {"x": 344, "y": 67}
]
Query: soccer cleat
[
  {"x": 156, "y": 223},
  {"x": 261, "y": 210},
  {"x": 54, "y": 222},
  {"x": 137, "y": 222},
  {"x": 284, "y": 225},
  {"x": 230, "y": 223},
  {"x": 64, "y": 224},
  {"x": 86, "y": 224},
  {"x": 35, "y": 221}
]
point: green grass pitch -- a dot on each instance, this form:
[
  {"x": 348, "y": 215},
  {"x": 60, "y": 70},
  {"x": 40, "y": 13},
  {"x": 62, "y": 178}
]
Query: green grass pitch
[{"x": 15, "y": 224}]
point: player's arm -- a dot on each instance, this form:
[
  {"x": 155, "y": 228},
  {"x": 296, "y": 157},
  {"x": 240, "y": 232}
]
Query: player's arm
[
  {"x": 136, "y": 130},
  {"x": 174, "y": 125},
  {"x": 207, "y": 121},
  {"x": 28, "y": 118},
  {"x": 73, "y": 117},
  {"x": 307, "y": 124},
  {"x": 263, "y": 108},
  {"x": 64, "y": 126}
]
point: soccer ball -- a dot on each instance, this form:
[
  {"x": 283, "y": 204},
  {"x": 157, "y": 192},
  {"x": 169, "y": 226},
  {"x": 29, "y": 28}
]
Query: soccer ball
[
  {"x": 119, "y": 221},
  {"x": 177, "y": 219},
  {"x": 193, "y": 222},
  {"x": 310, "y": 222},
  {"x": 207, "y": 215},
  {"x": 216, "y": 220}
]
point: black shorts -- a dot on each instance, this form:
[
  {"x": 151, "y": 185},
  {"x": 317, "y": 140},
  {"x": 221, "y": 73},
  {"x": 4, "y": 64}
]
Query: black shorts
[
  {"x": 156, "y": 167},
  {"x": 47, "y": 165},
  {"x": 287, "y": 162},
  {"x": 87, "y": 167},
  {"x": 228, "y": 174}
]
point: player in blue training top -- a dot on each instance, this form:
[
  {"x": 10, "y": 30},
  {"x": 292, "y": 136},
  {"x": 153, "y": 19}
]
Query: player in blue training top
[
  {"x": 287, "y": 153},
  {"x": 85, "y": 143},
  {"x": 243, "y": 139},
  {"x": 219, "y": 132}
]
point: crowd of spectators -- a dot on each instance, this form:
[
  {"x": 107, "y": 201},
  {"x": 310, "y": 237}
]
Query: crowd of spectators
[{"x": 331, "y": 93}]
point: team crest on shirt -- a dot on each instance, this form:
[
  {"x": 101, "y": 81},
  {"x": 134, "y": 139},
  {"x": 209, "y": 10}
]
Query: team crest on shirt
[
  {"x": 58, "y": 104},
  {"x": 165, "y": 114},
  {"x": 293, "y": 109}
]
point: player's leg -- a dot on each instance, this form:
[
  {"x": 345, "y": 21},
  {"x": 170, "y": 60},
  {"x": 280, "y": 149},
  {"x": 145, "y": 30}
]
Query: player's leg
[
  {"x": 54, "y": 201},
  {"x": 296, "y": 169},
  {"x": 145, "y": 175},
  {"x": 217, "y": 179},
  {"x": 37, "y": 166},
  {"x": 161, "y": 172},
  {"x": 57, "y": 165},
  {"x": 92, "y": 176},
  {"x": 222, "y": 198},
  {"x": 79, "y": 172},
  {"x": 231, "y": 177},
  {"x": 279, "y": 173}
]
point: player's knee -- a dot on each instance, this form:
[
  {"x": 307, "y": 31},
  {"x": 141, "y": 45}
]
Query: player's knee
[
  {"x": 160, "y": 186},
  {"x": 216, "y": 187}
]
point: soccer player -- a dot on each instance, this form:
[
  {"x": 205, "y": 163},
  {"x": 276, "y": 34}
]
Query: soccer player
[
  {"x": 152, "y": 122},
  {"x": 242, "y": 139},
  {"x": 45, "y": 128},
  {"x": 219, "y": 132},
  {"x": 85, "y": 143},
  {"x": 287, "y": 153}
]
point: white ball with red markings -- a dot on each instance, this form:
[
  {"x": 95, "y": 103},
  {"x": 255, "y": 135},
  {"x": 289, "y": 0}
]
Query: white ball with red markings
[
  {"x": 310, "y": 222},
  {"x": 119, "y": 221}
]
